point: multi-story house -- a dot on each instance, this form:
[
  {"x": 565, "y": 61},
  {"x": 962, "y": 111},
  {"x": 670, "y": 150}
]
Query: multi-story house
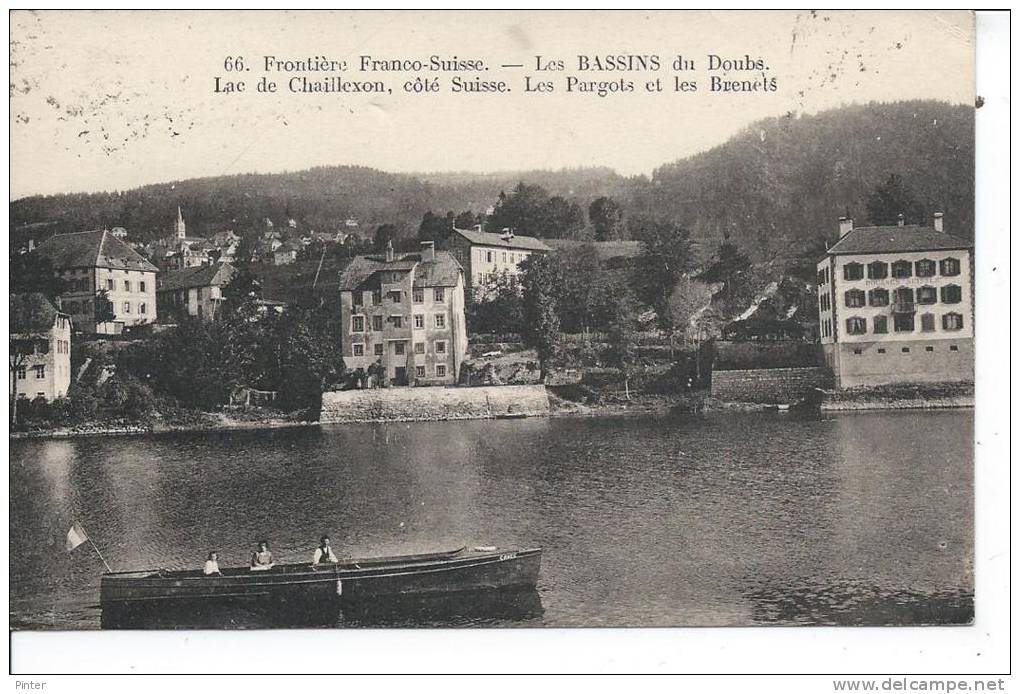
[
  {"x": 196, "y": 291},
  {"x": 405, "y": 315},
  {"x": 895, "y": 305},
  {"x": 40, "y": 347},
  {"x": 485, "y": 256},
  {"x": 91, "y": 262}
]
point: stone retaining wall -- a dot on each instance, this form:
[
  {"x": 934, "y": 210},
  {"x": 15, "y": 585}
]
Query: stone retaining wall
[
  {"x": 433, "y": 403},
  {"x": 769, "y": 385}
]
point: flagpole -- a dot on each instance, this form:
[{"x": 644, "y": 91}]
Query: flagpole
[{"x": 89, "y": 538}]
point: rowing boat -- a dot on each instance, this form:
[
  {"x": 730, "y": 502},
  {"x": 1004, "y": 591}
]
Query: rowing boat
[{"x": 351, "y": 582}]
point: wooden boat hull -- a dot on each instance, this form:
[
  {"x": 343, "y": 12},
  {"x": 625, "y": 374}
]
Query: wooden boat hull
[{"x": 349, "y": 582}]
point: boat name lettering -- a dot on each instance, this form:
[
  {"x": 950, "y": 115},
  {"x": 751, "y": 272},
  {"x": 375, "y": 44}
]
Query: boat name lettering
[{"x": 504, "y": 557}]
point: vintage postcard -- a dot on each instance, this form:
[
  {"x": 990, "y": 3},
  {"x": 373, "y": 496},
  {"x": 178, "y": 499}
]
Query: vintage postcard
[{"x": 491, "y": 319}]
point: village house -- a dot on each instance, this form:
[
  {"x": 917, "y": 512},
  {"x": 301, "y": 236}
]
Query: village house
[
  {"x": 895, "y": 305},
  {"x": 40, "y": 348},
  {"x": 405, "y": 314},
  {"x": 485, "y": 256},
  {"x": 91, "y": 262},
  {"x": 195, "y": 292}
]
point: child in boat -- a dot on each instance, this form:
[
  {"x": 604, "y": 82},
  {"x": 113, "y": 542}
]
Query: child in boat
[
  {"x": 212, "y": 565},
  {"x": 324, "y": 553},
  {"x": 262, "y": 558}
]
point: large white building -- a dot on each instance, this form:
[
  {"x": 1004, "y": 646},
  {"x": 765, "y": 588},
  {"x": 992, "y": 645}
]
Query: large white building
[
  {"x": 895, "y": 305},
  {"x": 484, "y": 256},
  {"x": 40, "y": 348}
]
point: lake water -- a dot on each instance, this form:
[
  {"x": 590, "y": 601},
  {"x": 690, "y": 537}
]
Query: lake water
[{"x": 726, "y": 519}]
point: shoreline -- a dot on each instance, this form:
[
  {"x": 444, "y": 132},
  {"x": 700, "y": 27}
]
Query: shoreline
[{"x": 560, "y": 408}]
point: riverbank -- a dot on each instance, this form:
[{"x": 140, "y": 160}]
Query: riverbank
[{"x": 201, "y": 422}]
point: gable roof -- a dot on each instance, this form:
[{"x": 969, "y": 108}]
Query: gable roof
[
  {"x": 201, "y": 276},
  {"x": 896, "y": 239},
  {"x": 30, "y": 313},
  {"x": 484, "y": 238},
  {"x": 444, "y": 271},
  {"x": 92, "y": 249}
]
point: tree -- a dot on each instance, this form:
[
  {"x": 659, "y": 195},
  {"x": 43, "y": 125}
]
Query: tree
[
  {"x": 727, "y": 266},
  {"x": 433, "y": 227},
  {"x": 466, "y": 220},
  {"x": 521, "y": 210},
  {"x": 384, "y": 234},
  {"x": 33, "y": 272},
  {"x": 666, "y": 255},
  {"x": 688, "y": 300},
  {"x": 891, "y": 199},
  {"x": 583, "y": 293},
  {"x": 102, "y": 308},
  {"x": 606, "y": 216},
  {"x": 622, "y": 344},
  {"x": 541, "y": 323},
  {"x": 498, "y": 306}
]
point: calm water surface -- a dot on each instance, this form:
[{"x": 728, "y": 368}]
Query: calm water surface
[{"x": 727, "y": 519}]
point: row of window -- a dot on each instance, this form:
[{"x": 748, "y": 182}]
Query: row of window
[
  {"x": 902, "y": 322},
  {"x": 358, "y": 322},
  {"x": 906, "y": 350},
  {"x": 419, "y": 371},
  {"x": 395, "y": 296},
  {"x": 511, "y": 257},
  {"x": 879, "y": 270},
  {"x": 399, "y": 348},
  {"x": 40, "y": 372},
  {"x": 85, "y": 308},
  {"x": 111, "y": 285},
  {"x": 904, "y": 296}
]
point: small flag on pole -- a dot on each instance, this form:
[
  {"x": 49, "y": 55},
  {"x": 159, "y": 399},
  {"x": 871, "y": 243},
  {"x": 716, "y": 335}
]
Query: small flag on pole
[{"x": 76, "y": 536}]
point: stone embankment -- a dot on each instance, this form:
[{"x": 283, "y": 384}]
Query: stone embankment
[{"x": 433, "y": 404}]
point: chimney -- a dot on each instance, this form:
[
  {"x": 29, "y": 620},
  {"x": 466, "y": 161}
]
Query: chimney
[
  {"x": 900, "y": 219},
  {"x": 478, "y": 227},
  {"x": 846, "y": 225},
  {"x": 389, "y": 251},
  {"x": 936, "y": 221},
  {"x": 428, "y": 251},
  {"x": 31, "y": 242}
]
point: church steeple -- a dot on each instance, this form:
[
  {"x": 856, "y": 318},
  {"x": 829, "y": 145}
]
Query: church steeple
[{"x": 179, "y": 228}]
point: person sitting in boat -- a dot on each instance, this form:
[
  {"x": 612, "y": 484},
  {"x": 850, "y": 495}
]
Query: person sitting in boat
[
  {"x": 324, "y": 553},
  {"x": 262, "y": 558},
  {"x": 212, "y": 565}
]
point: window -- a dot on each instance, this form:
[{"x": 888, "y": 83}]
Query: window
[
  {"x": 419, "y": 371},
  {"x": 903, "y": 322},
  {"x": 878, "y": 270},
  {"x": 488, "y": 256},
  {"x": 377, "y": 349},
  {"x": 109, "y": 285},
  {"x": 927, "y": 295},
  {"x": 440, "y": 346},
  {"x": 951, "y": 294},
  {"x": 881, "y": 350},
  {"x": 418, "y": 295},
  {"x": 377, "y": 323},
  {"x": 439, "y": 295},
  {"x": 40, "y": 371},
  {"x": 927, "y": 322},
  {"x": 881, "y": 325},
  {"x": 127, "y": 307},
  {"x": 398, "y": 348},
  {"x": 359, "y": 350},
  {"x": 357, "y": 298},
  {"x": 127, "y": 285},
  {"x": 394, "y": 296},
  {"x": 949, "y": 267},
  {"x": 419, "y": 321},
  {"x": 858, "y": 351},
  {"x": 357, "y": 324},
  {"x": 952, "y": 321},
  {"x": 441, "y": 370},
  {"x": 856, "y": 326},
  {"x": 954, "y": 348},
  {"x": 419, "y": 348},
  {"x": 904, "y": 297},
  {"x": 821, "y": 277},
  {"x": 901, "y": 268},
  {"x": 398, "y": 321},
  {"x": 878, "y": 297},
  {"x": 854, "y": 298},
  {"x": 440, "y": 320},
  {"x": 853, "y": 271},
  {"x": 72, "y": 307},
  {"x": 929, "y": 348},
  {"x": 924, "y": 268},
  {"x": 141, "y": 286},
  {"x": 905, "y": 350},
  {"x": 21, "y": 373},
  {"x": 376, "y": 297},
  {"x": 143, "y": 309}
]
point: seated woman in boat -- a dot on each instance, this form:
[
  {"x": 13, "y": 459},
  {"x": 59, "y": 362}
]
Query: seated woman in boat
[
  {"x": 324, "y": 553},
  {"x": 212, "y": 565},
  {"x": 262, "y": 558}
]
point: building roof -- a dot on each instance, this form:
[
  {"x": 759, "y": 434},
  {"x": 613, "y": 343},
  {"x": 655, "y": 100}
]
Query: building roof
[
  {"x": 92, "y": 249},
  {"x": 484, "y": 238},
  {"x": 202, "y": 276},
  {"x": 444, "y": 271},
  {"x": 30, "y": 313},
  {"x": 896, "y": 239}
]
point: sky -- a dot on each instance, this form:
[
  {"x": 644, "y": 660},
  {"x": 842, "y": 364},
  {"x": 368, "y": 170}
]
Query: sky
[{"x": 104, "y": 101}]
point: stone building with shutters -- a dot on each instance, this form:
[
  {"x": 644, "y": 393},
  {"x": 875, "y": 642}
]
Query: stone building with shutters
[
  {"x": 895, "y": 305},
  {"x": 404, "y": 313},
  {"x": 40, "y": 346}
]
